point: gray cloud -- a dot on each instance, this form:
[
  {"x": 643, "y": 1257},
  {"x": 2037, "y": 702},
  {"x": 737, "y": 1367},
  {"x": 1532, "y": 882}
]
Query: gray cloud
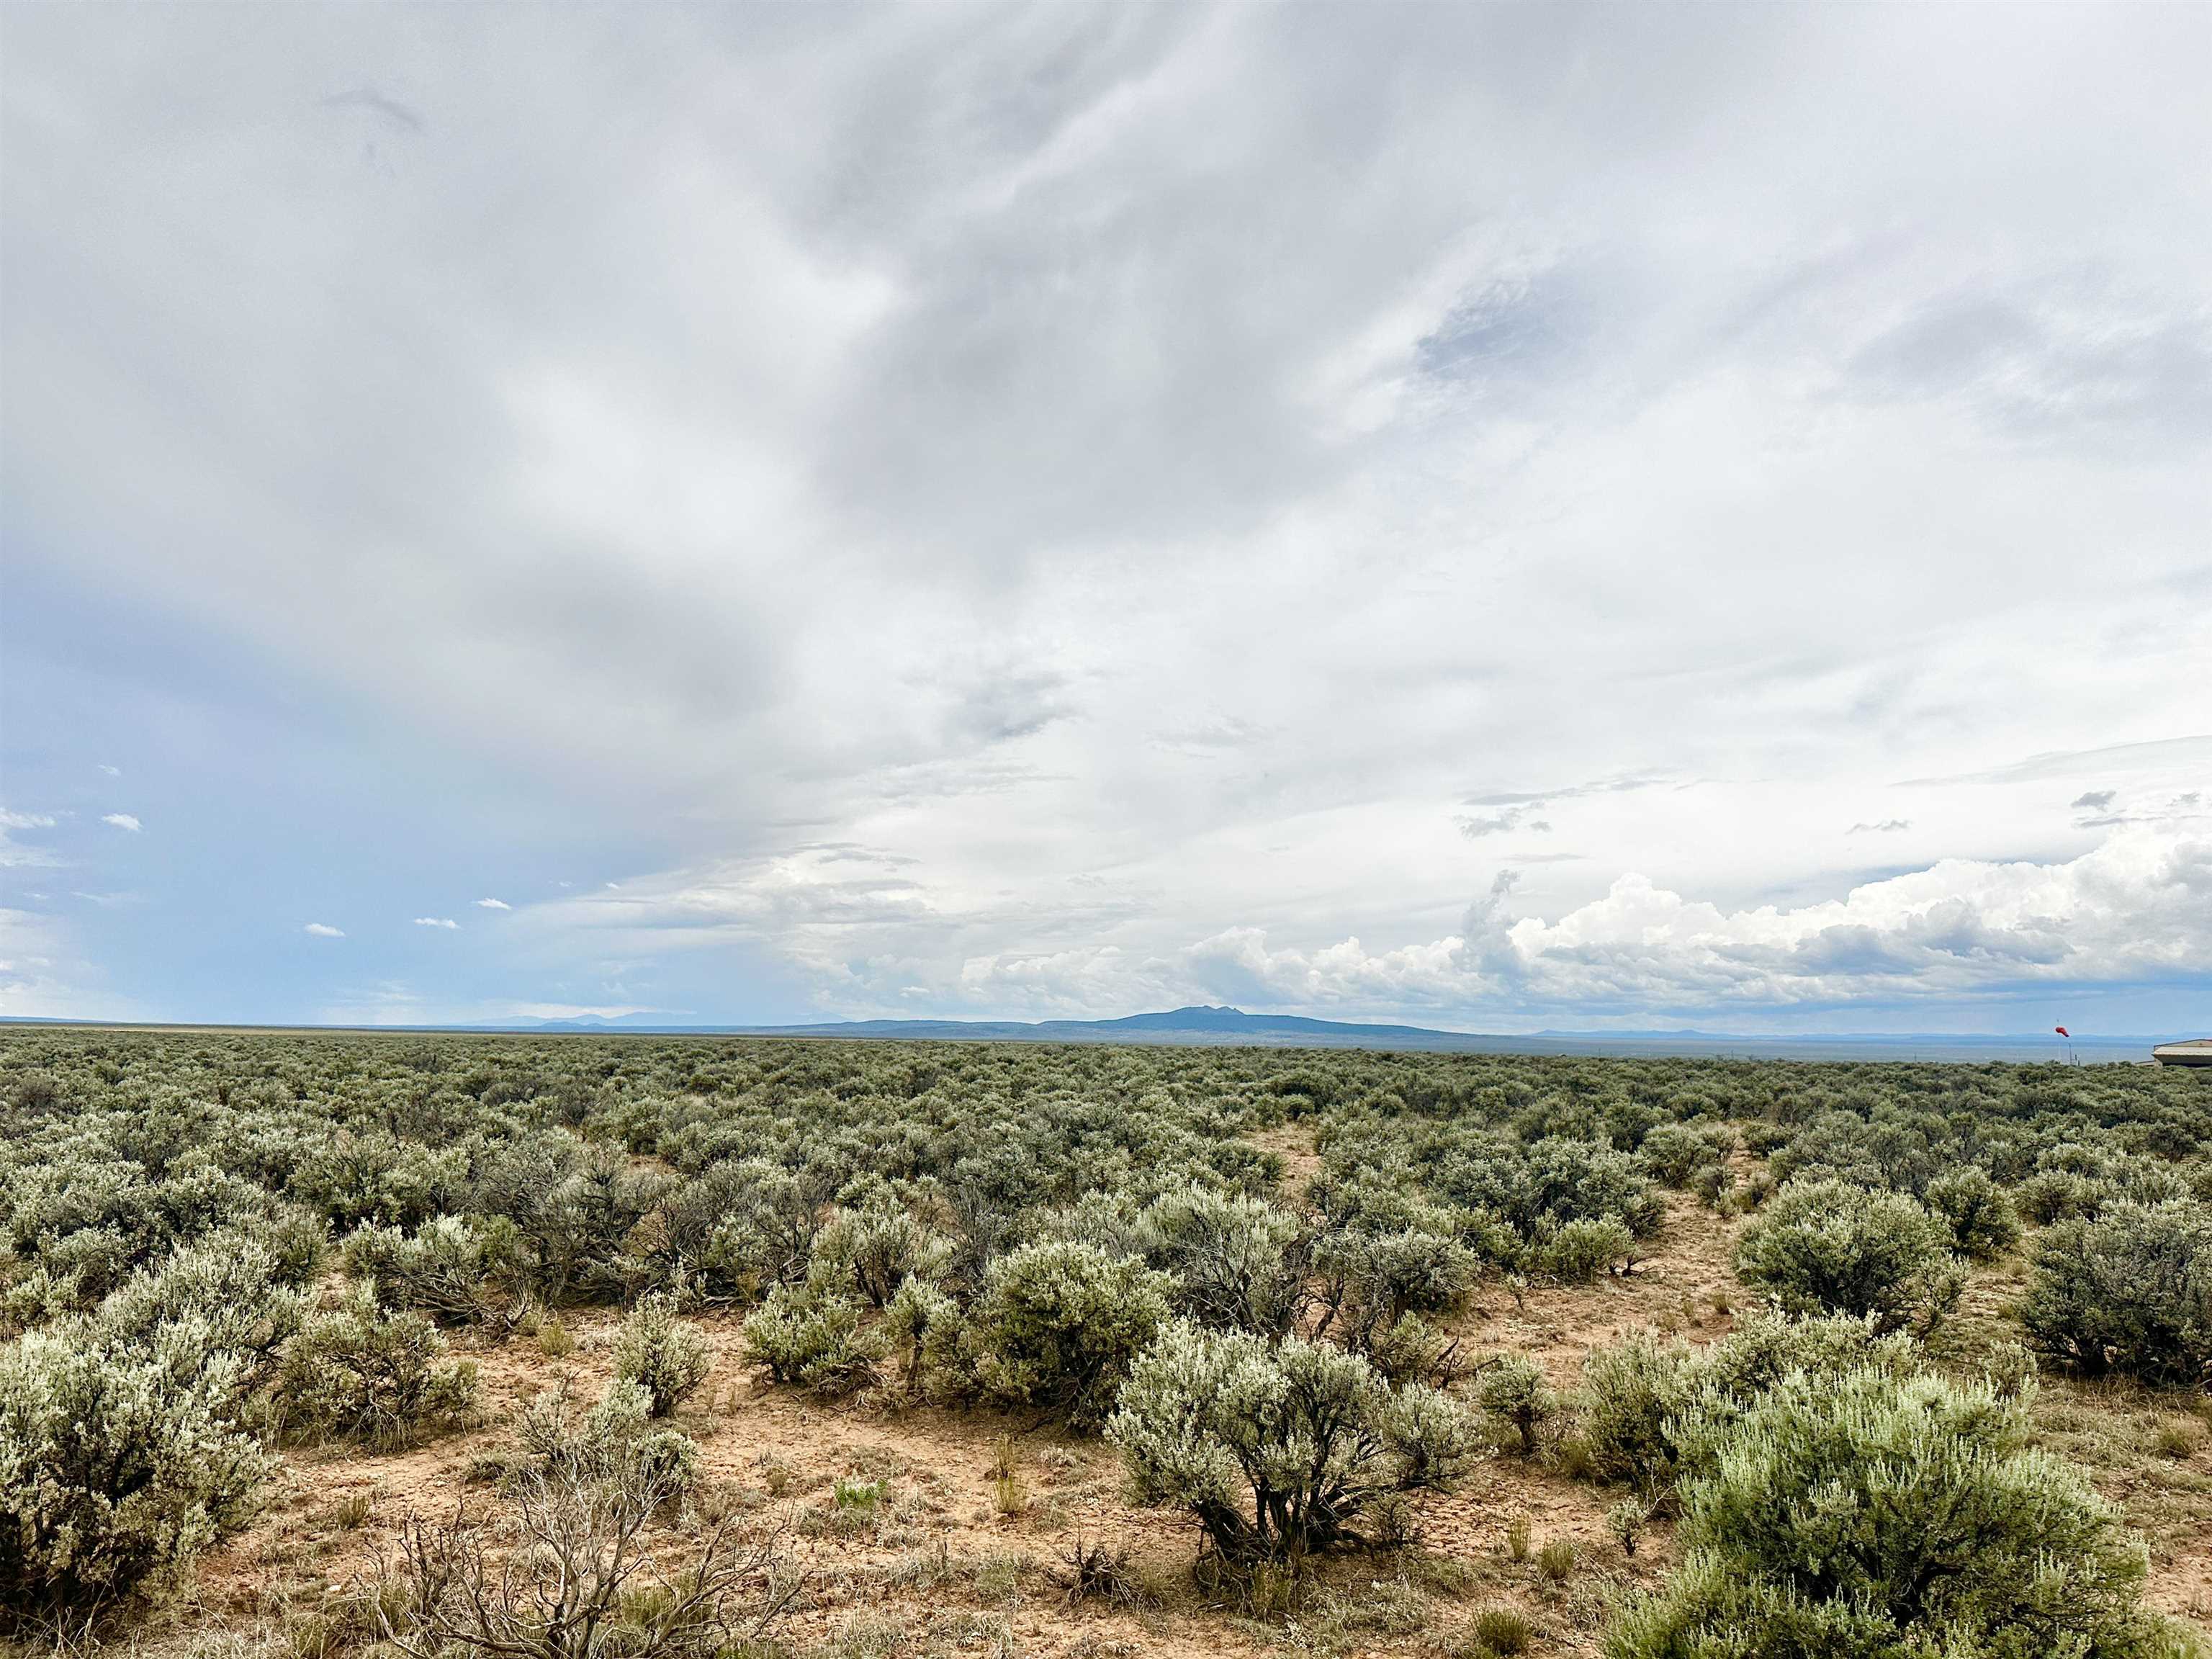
[
  {"x": 2158, "y": 754},
  {"x": 2057, "y": 362},
  {"x": 1157, "y": 455},
  {"x": 391, "y": 110},
  {"x": 1595, "y": 786},
  {"x": 1506, "y": 819}
]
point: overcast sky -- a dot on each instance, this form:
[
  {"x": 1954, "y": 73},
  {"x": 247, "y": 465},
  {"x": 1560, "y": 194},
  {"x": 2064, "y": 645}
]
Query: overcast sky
[{"x": 1497, "y": 517}]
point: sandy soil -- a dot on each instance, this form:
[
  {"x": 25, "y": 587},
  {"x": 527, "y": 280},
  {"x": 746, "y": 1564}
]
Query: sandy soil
[{"x": 942, "y": 1567}]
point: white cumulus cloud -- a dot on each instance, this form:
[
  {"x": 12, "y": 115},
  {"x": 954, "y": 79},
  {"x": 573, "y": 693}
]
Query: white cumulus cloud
[
  {"x": 435, "y": 921},
  {"x": 122, "y": 821},
  {"x": 492, "y": 904},
  {"x": 2137, "y": 908},
  {"x": 322, "y": 930}
]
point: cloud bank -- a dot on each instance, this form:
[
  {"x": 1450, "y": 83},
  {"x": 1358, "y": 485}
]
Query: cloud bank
[{"x": 1142, "y": 504}]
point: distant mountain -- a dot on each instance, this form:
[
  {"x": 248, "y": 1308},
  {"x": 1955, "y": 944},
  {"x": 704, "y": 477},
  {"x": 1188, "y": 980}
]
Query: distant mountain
[{"x": 1222, "y": 1026}]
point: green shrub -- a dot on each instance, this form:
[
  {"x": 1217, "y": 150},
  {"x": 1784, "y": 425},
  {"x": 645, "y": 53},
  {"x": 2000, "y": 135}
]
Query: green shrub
[
  {"x": 118, "y": 1465},
  {"x": 812, "y": 1341},
  {"x": 1277, "y": 1450},
  {"x": 2131, "y": 1292},
  {"x": 1370, "y": 1280},
  {"x": 1058, "y": 1325},
  {"x": 1825, "y": 1247},
  {"x": 925, "y": 1324},
  {"x": 1641, "y": 1402},
  {"x": 1871, "y": 1516},
  {"x": 380, "y": 1379},
  {"x": 232, "y": 1287},
  {"x": 1676, "y": 1155},
  {"x": 1514, "y": 1392},
  {"x": 457, "y": 1272},
  {"x": 664, "y": 1355},
  {"x": 1537, "y": 1189},
  {"x": 1583, "y": 1252},
  {"x": 873, "y": 1248},
  {"x": 1626, "y": 1521},
  {"x": 1630, "y": 1392},
  {"x": 1982, "y": 1222},
  {"x": 771, "y": 1219},
  {"x": 1412, "y": 1350},
  {"x": 2073, "y": 1182},
  {"x": 1238, "y": 1262},
  {"x": 615, "y": 1440}
]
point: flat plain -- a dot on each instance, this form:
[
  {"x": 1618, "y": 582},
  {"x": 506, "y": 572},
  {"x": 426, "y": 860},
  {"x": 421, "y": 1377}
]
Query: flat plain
[{"x": 900, "y": 1325}]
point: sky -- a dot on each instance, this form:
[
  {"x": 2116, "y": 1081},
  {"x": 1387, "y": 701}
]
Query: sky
[{"x": 1499, "y": 517}]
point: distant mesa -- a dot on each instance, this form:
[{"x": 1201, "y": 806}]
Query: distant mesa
[{"x": 1203, "y": 1025}]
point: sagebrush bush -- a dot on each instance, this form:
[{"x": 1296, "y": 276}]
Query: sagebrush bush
[
  {"x": 1870, "y": 1516},
  {"x": 1412, "y": 1350},
  {"x": 2131, "y": 1292},
  {"x": 75, "y": 1225},
  {"x": 1581, "y": 1252},
  {"x": 924, "y": 1324},
  {"x": 118, "y": 1465},
  {"x": 1277, "y": 1450},
  {"x": 1826, "y": 1247},
  {"x": 1370, "y": 1278},
  {"x": 662, "y": 1353},
  {"x": 578, "y": 1576},
  {"x": 2072, "y": 1181},
  {"x": 1238, "y": 1262},
  {"x": 234, "y": 1287},
  {"x": 1676, "y": 1154},
  {"x": 1631, "y": 1392},
  {"x": 870, "y": 1249},
  {"x": 1514, "y": 1393},
  {"x": 1536, "y": 1189},
  {"x": 1059, "y": 1324},
  {"x": 813, "y": 1340},
  {"x": 615, "y": 1440},
  {"x": 1982, "y": 1222},
  {"x": 363, "y": 1374},
  {"x": 456, "y": 1270},
  {"x": 1641, "y": 1402}
]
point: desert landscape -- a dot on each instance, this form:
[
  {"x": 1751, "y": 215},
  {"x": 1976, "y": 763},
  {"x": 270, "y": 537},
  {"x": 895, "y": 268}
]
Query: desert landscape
[{"x": 415, "y": 1344}]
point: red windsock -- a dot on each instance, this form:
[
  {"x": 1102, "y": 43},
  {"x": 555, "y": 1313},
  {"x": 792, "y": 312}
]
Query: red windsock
[{"x": 2062, "y": 1030}]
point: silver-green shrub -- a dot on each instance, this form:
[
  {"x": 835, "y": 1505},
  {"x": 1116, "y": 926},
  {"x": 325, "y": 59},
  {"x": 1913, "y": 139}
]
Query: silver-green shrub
[
  {"x": 2129, "y": 1291},
  {"x": 813, "y": 1340},
  {"x": 1057, "y": 1326},
  {"x": 615, "y": 1440},
  {"x": 118, "y": 1464},
  {"x": 1278, "y": 1449},
  {"x": 357, "y": 1372},
  {"x": 1238, "y": 1262},
  {"x": 1984, "y": 1224},
  {"x": 1879, "y": 1516},
  {"x": 1828, "y": 1247},
  {"x": 664, "y": 1355}
]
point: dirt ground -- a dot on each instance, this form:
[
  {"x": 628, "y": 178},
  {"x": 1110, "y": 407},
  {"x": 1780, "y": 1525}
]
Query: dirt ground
[{"x": 937, "y": 1567}]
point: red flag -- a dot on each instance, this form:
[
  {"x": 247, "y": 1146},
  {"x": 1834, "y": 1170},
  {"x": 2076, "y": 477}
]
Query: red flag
[{"x": 2062, "y": 1030}]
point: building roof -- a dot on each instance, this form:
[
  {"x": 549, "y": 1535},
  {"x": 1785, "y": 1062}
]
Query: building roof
[{"x": 2196, "y": 1051}]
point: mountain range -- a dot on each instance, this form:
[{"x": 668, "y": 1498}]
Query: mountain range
[{"x": 1201, "y": 1025}]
